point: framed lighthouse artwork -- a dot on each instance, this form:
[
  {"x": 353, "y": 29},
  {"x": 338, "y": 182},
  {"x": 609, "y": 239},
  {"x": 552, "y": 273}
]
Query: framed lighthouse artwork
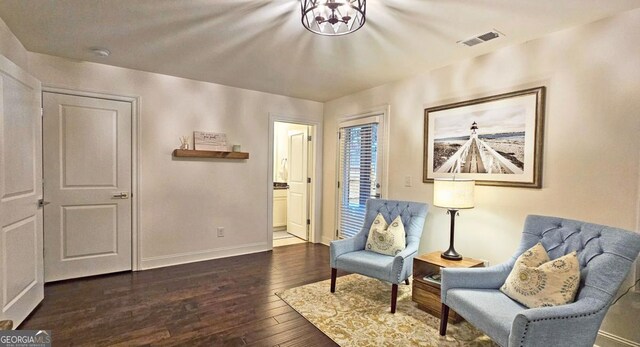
[{"x": 495, "y": 140}]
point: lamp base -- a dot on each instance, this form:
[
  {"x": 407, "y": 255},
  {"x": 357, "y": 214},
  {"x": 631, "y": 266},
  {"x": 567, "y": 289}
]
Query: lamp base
[{"x": 451, "y": 254}]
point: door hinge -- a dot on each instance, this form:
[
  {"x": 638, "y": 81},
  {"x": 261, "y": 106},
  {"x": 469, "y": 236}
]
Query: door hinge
[
  {"x": 41, "y": 112},
  {"x": 337, "y": 233},
  {"x": 309, "y": 138},
  {"x": 308, "y": 179},
  {"x": 339, "y": 135},
  {"x": 338, "y": 184},
  {"x": 308, "y": 221}
]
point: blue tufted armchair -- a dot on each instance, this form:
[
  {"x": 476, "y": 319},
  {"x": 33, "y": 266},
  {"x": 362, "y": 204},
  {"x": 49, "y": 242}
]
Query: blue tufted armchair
[
  {"x": 605, "y": 256},
  {"x": 350, "y": 255}
]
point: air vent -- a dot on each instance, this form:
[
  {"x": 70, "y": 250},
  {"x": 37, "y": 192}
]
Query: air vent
[
  {"x": 478, "y": 39},
  {"x": 488, "y": 36},
  {"x": 472, "y": 42}
]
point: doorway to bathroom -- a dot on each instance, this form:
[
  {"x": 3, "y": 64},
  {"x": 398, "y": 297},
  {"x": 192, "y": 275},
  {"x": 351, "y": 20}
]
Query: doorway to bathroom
[{"x": 293, "y": 167}]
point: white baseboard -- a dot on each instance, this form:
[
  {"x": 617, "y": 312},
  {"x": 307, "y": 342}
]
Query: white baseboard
[
  {"x": 606, "y": 339},
  {"x": 191, "y": 257},
  {"x": 326, "y": 241}
]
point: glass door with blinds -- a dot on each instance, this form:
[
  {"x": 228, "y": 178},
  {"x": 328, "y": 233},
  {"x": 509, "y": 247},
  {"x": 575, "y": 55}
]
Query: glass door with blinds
[{"x": 358, "y": 172}]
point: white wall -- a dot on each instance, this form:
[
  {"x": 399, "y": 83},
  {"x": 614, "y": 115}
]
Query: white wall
[
  {"x": 11, "y": 47},
  {"x": 592, "y": 136},
  {"x": 591, "y": 159},
  {"x": 183, "y": 201}
]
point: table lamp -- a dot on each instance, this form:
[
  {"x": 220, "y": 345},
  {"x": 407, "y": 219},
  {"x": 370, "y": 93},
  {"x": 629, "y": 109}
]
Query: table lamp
[{"x": 453, "y": 194}]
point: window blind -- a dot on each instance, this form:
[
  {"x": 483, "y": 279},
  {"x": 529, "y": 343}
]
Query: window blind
[{"x": 357, "y": 175}]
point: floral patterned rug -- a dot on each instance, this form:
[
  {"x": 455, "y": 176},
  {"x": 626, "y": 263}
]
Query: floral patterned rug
[{"x": 358, "y": 314}]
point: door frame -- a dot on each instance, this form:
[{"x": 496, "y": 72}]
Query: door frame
[
  {"x": 308, "y": 166},
  {"x": 383, "y": 112},
  {"x": 637, "y": 262},
  {"x": 315, "y": 191},
  {"x": 135, "y": 161}
]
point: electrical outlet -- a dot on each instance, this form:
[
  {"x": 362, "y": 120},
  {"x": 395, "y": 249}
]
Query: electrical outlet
[
  {"x": 407, "y": 181},
  {"x": 220, "y": 232}
]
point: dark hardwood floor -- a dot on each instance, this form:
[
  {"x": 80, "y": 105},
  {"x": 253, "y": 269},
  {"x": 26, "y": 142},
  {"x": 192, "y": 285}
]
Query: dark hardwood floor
[{"x": 223, "y": 302}]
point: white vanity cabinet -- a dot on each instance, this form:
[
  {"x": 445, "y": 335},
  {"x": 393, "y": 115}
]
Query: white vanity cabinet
[{"x": 279, "y": 209}]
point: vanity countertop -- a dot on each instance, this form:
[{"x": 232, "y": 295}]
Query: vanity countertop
[{"x": 280, "y": 185}]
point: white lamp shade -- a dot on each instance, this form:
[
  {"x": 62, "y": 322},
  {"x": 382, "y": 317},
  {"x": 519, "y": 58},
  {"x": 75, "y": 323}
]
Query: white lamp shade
[{"x": 455, "y": 194}]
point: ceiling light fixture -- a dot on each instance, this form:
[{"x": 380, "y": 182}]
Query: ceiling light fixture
[
  {"x": 333, "y": 17},
  {"x": 101, "y": 52}
]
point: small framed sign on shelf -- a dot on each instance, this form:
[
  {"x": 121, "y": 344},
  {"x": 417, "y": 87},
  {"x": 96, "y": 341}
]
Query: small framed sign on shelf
[{"x": 208, "y": 141}]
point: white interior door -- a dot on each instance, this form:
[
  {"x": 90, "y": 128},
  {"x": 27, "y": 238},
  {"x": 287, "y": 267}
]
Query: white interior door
[
  {"x": 297, "y": 202},
  {"x": 87, "y": 173},
  {"x": 21, "y": 282}
]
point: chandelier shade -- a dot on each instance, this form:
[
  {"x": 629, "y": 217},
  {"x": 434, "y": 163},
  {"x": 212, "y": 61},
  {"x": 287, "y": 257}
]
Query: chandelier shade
[{"x": 333, "y": 17}]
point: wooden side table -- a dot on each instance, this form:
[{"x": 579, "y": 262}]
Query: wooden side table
[{"x": 426, "y": 292}]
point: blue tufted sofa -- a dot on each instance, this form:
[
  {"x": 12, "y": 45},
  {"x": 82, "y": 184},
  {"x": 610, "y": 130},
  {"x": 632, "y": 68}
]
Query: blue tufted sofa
[
  {"x": 605, "y": 254},
  {"x": 349, "y": 254}
]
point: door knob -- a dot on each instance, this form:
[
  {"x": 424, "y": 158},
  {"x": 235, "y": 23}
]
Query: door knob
[
  {"x": 121, "y": 195},
  {"x": 42, "y": 203}
]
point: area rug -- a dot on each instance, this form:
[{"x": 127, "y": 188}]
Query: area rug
[{"x": 358, "y": 314}]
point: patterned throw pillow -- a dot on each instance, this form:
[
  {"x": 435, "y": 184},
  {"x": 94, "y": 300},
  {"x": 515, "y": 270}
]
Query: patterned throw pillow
[
  {"x": 386, "y": 239},
  {"x": 536, "y": 281}
]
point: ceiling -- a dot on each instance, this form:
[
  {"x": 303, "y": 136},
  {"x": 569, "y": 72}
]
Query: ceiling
[{"x": 261, "y": 45}]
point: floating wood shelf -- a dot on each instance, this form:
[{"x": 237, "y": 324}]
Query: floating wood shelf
[{"x": 190, "y": 153}]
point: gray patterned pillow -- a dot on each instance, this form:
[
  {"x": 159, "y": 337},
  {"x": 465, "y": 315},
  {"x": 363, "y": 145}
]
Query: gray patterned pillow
[
  {"x": 536, "y": 281},
  {"x": 386, "y": 239}
]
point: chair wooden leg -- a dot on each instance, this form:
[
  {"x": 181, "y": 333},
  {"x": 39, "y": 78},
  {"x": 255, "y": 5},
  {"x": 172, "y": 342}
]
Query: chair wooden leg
[
  {"x": 444, "y": 317},
  {"x": 334, "y": 273},
  {"x": 394, "y": 297},
  {"x": 406, "y": 281}
]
